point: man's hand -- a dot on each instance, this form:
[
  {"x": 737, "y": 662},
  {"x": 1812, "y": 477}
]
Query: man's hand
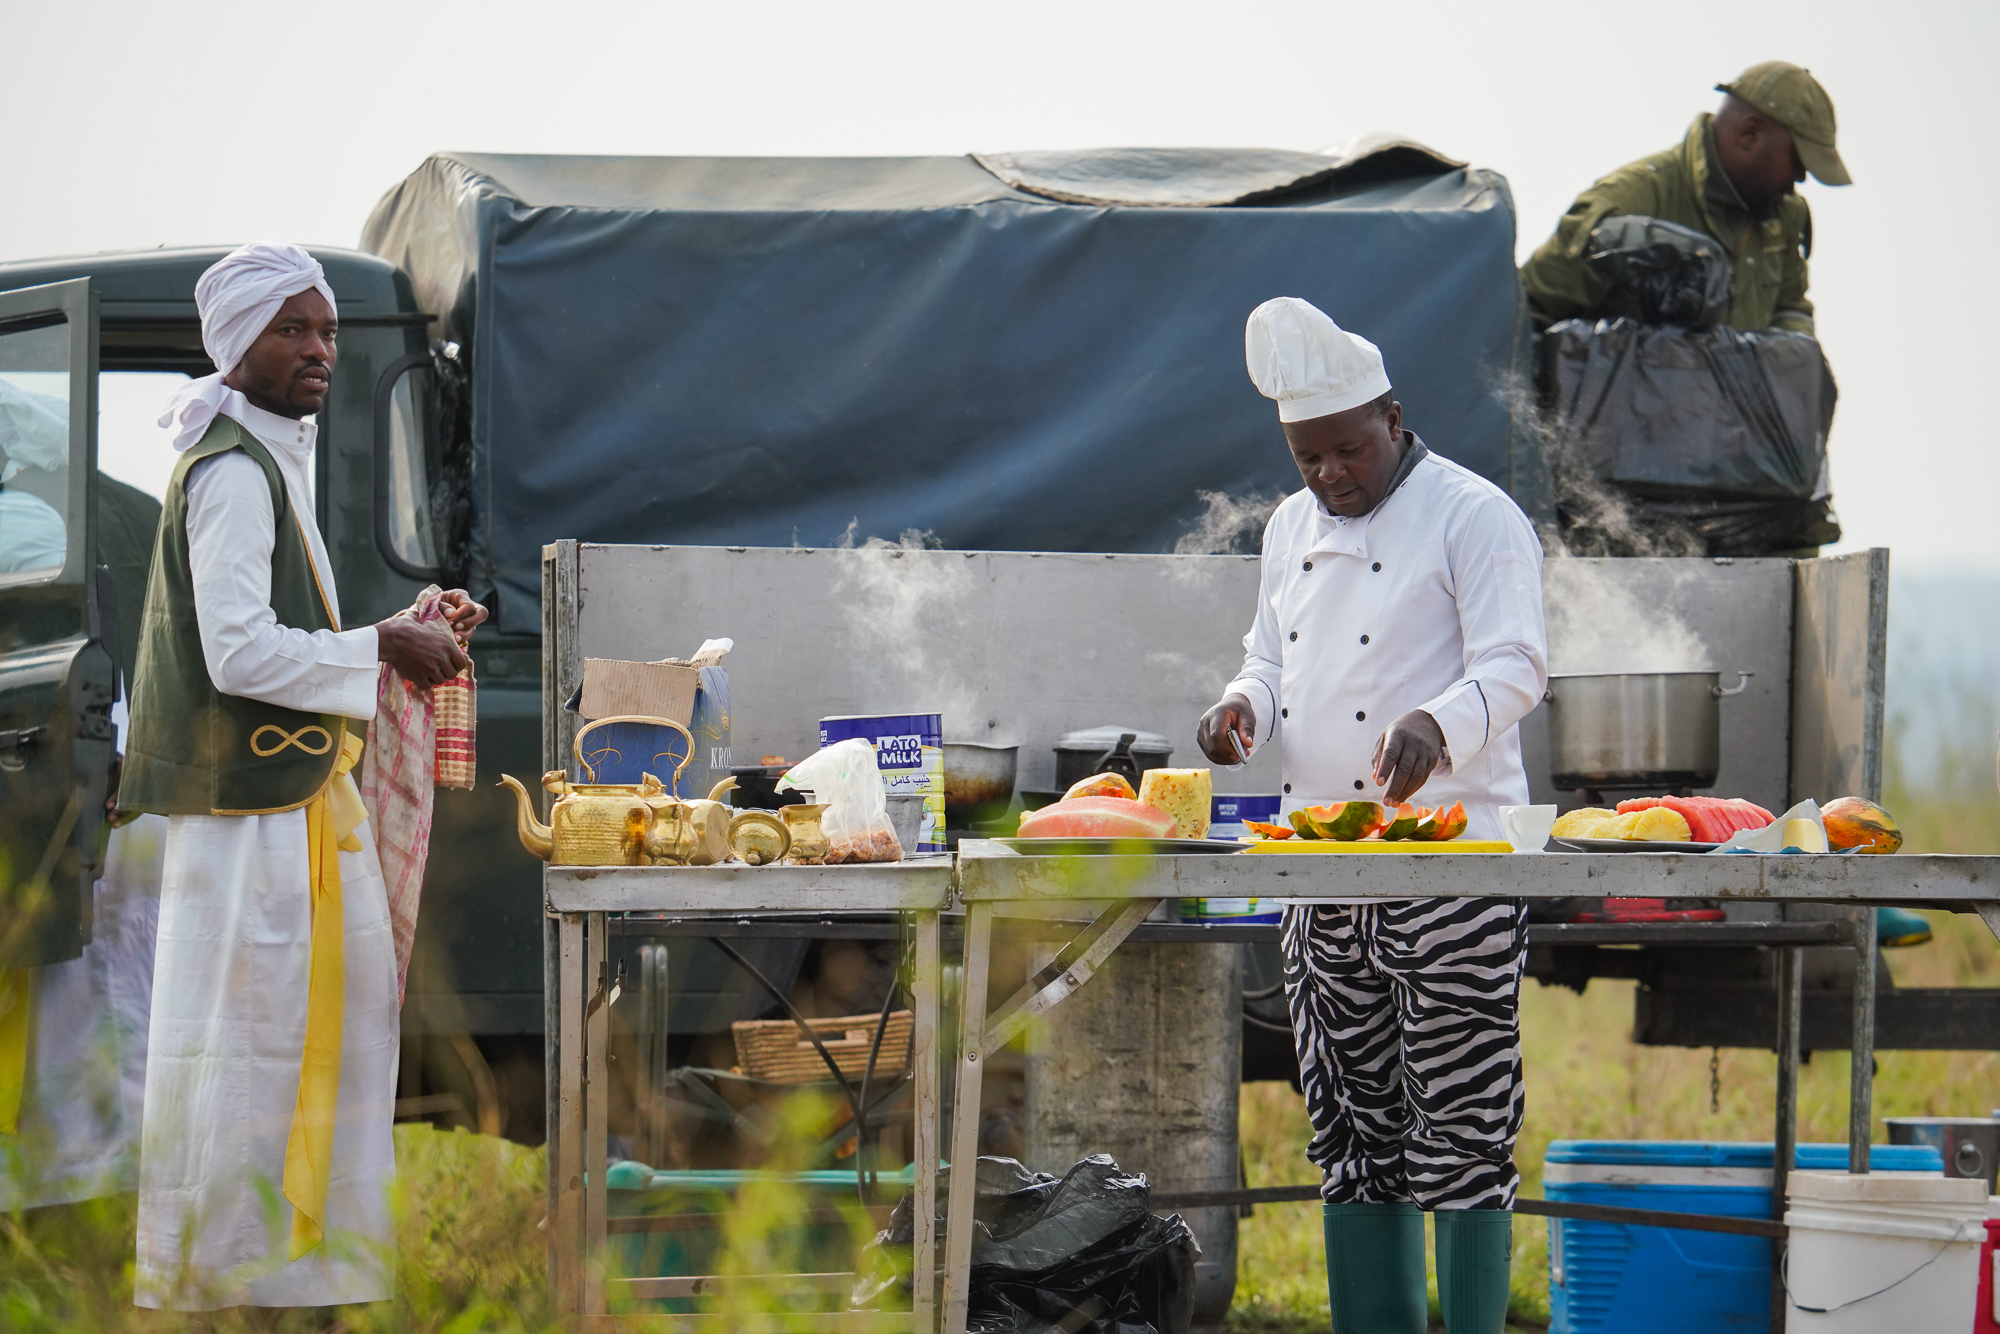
[
  {"x": 462, "y": 613},
  {"x": 421, "y": 655},
  {"x": 1406, "y": 754},
  {"x": 1233, "y": 714}
]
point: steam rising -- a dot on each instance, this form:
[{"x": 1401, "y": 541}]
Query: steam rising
[
  {"x": 1230, "y": 525},
  {"x": 898, "y": 607}
]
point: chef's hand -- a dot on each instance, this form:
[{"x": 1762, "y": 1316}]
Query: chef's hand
[
  {"x": 421, "y": 654},
  {"x": 1233, "y": 714},
  {"x": 1407, "y": 753},
  {"x": 462, "y": 613}
]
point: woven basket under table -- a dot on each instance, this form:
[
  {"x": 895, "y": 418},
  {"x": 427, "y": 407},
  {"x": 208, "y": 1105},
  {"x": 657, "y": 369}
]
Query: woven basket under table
[{"x": 774, "y": 1049}]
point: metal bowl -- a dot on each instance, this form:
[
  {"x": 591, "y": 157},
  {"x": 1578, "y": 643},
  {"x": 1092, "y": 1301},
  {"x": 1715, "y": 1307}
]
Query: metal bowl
[{"x": 977, "y": 778}]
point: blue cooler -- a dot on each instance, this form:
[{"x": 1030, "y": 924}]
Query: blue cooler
[{"x": 1621, "y": 1279}]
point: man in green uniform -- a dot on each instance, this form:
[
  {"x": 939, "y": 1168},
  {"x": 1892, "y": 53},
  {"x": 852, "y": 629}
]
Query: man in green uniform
[{"x": 1731, "y": 177}]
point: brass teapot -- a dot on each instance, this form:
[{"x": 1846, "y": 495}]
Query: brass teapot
[{"x": 643, "y": 823}]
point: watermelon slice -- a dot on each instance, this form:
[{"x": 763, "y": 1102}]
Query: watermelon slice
[
  {"x": 1097, "y": 817},
  {"x": 1262, "y": 830},
  {"x": 1710, "y": 819},
  {"x": 1344, "y": 821}
]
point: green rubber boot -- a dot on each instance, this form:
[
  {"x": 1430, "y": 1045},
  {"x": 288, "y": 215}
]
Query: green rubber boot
[
  {"x": 1375, "y": 1268},
  {"x": 1475, "y": 1247}
]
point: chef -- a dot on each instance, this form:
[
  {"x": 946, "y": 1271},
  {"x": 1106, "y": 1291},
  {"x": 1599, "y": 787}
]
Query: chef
[
  {"x": 270, "y": 1088},
  {"x": 1398, "y": 636}
]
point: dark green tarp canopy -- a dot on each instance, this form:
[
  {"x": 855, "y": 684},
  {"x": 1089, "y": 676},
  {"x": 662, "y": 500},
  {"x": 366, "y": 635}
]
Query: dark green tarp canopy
[{"x": 1033, "y": 351}]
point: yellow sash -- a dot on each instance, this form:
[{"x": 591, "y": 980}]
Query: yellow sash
[
  {"x": 331, "y": 819},
  {"x": 14, "y": 1026}
]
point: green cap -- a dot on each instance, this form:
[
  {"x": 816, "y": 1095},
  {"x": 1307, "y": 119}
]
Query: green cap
[{"x": 1791, "y": 96}]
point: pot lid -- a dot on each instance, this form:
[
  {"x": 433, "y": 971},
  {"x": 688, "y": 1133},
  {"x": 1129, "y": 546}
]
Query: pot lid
[{"x": 1101, "y": 739}]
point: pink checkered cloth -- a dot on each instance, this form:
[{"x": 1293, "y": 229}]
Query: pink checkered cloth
[{"x": 399, "y": 775}]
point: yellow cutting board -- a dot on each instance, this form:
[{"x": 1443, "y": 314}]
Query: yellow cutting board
[{"x": 1375, "y": 845}]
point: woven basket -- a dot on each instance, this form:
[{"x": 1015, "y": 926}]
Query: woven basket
[
  {"x": 456, "y": 706},
  {"x": 774, "y": 1049}
]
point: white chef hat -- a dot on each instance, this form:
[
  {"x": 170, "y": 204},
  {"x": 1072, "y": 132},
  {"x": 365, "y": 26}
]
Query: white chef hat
[
  {"x": 237, "y": 298},
  {"x": 1312, "y": 366}
]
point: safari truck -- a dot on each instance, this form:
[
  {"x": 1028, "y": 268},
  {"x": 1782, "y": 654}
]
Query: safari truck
[{"x": 1019, "y": 352}]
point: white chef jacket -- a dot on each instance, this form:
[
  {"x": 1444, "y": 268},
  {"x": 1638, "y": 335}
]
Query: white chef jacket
[
  {"x": 231, "y": 532},
  {"x": 1432, "y": 601}
]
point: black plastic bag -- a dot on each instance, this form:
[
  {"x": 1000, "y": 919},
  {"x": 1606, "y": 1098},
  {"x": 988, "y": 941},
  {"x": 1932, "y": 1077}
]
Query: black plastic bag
[
  {"x": 1676, "y": 274},
  {"x": 1083, "y": 1252},
  {"x": 1717, "y": 432}
]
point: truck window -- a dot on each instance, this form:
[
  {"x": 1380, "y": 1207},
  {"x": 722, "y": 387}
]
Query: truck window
[
  {"x": 407, "y": 468},
  {"x": 131, "y": 444},
  {"x": 34, "y": 451}
]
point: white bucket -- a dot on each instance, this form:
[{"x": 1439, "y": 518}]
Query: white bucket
[{"x": 1882, "y": 1252}]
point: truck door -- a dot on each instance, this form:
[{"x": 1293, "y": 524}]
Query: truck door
[{"x": 57, "y": 682}]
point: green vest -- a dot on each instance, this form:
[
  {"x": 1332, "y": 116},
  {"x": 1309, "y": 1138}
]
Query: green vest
[{"x": 192, "y": 750}]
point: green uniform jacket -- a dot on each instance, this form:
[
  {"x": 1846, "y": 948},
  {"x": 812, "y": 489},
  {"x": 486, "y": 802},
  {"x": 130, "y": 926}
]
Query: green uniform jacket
[{"x": 1767, "y": 257}]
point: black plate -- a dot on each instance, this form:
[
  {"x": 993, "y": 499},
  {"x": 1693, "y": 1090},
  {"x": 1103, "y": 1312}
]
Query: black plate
[
  {"x": 1632, "y": 845},
  {"x": 1113, "y": 847}
]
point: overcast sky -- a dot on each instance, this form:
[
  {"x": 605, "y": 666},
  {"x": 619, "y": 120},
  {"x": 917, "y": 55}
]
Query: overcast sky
[{"x": 129, "y": 125}]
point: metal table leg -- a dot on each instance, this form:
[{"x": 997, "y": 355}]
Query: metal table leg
[
  {"x": 566, "y": 1222},
  {"x": 965, "y": 1115},
  {"x": 1861, "y": 1091},
  {"x": 924, "y": 985},
  {"x": 596, "y": 1097},
  {"x": 1786, "y": 1132}
]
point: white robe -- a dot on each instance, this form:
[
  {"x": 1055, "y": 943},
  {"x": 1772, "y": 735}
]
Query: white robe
[
  {"x": 229, "y": 995},
  {"x": 79, "y": 1131}
]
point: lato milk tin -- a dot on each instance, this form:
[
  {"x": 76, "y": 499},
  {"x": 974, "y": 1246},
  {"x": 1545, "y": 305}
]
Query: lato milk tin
[{"x": 909, "y": 750}]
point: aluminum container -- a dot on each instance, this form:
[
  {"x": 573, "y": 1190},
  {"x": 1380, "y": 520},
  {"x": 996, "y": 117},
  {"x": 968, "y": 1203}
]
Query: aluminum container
[{"x": 1637, "y": 729}]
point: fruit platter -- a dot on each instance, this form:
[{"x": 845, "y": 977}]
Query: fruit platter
[
  {"x": 1102, "y": 816},
  {"x": 1369, "y": 826}
]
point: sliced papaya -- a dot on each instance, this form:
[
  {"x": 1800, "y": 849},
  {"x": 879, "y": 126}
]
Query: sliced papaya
[
  {"x": 1301, "y": 825},
  {"x": 1403, "y": 823},
  {"x": 1101, "y": 785},
  {"x": 1345, "y": 821},
  {"x": 1262, "y": 830},
  {"x": 1440, "y": 825}
]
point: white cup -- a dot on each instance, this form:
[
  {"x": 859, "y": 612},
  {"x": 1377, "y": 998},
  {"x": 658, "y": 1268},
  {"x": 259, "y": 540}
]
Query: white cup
[{"x": 1528, "y": 827}]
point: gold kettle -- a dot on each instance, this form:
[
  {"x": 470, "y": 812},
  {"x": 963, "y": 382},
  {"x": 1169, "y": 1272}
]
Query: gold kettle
[{"x": 642, "y": 824}]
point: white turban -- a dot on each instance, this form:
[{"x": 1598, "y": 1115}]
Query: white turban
[
  {"x": 1311, "y": 365},
  {"x": 237, "y": 299}
]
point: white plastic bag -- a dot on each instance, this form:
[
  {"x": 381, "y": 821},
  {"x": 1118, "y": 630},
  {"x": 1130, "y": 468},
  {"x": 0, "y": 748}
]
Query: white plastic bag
[{"x": 845, "y": 776}]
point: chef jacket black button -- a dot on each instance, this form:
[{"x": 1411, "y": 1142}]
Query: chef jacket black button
[
  {"x": 1377, "y": 567},
  {"x": 1295, "y": 634},
  {"x": 1364, "y": 638},
  {"x": 1309, "y": 565},
  {"x": 1288, "y": 787},
  {"x": 1357, "y": 785},
  {"x": 1284, "y": 713},
  {"x": 1361, "y": 715}
]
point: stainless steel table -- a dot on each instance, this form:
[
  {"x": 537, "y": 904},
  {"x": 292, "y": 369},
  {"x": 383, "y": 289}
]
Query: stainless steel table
[{"x": 1118, "y": 893}]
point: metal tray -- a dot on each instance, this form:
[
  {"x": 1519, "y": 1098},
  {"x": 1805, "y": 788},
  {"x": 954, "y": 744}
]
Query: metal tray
[
  {"x": 1114, "y": 847},
  {"x": 1631, "y": 845}
]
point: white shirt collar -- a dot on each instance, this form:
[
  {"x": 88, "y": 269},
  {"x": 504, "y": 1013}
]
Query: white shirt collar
[{"x": 292, "y": 438}]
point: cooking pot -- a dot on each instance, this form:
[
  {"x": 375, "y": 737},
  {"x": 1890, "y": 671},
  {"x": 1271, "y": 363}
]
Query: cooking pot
[
  {"x": 1109, "y": 750},
  {"x": 1637, "y": 729},
  {"x": 976, "y": 776}
]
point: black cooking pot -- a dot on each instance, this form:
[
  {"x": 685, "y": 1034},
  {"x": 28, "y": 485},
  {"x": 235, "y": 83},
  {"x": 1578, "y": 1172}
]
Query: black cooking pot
[{"x": 1109, "y": 750}]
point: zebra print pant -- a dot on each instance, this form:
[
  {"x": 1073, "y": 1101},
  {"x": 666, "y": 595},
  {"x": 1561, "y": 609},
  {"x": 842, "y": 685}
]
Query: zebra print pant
[{"x": 1406, "y": 1014}]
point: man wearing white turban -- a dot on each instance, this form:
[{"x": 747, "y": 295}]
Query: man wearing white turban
[
  {"x": 1399, "y": 637},
  {"x": 270, "y": 1090}
]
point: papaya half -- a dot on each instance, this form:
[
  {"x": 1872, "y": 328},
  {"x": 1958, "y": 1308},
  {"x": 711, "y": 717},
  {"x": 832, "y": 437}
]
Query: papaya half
[
  {"x": 1403, "y": 823},
  {"x": 1262, "y": 830},
  {"x": 1101, "y": 785},
  {"x": 1345, "y": 821},
  {"x": 1440, "y": 825},
  {"x": 1854, "y": 823}
]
